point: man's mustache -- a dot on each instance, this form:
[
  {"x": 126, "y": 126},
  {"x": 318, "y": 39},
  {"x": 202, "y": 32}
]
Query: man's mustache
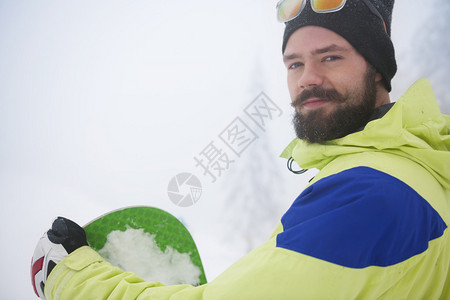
[{"x": 318, "y": 92}]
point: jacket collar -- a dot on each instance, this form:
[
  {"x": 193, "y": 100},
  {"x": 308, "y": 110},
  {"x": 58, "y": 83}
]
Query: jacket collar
[{"x": 413, "y": 125}]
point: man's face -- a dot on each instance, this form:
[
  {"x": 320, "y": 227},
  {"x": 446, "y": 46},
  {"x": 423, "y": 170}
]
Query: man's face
[{"x": 332, "y": 87}]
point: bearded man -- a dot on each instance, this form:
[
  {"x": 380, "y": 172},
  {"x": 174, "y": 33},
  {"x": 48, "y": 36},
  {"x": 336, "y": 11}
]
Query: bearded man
[{"x": 372, "y": 224}]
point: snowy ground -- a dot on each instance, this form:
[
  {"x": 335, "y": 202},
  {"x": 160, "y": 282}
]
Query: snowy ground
[{"x": 102, "y": 103}]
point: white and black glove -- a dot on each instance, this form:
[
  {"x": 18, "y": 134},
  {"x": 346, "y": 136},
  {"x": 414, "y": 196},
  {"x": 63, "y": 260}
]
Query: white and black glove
[{"x": 64, "y": 237}]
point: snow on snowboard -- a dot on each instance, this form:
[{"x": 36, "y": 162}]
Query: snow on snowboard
[{"x": 149, "y": 242}]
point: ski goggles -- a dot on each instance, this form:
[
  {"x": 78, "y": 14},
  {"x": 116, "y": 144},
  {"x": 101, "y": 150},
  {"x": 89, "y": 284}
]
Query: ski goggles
[{"x": 290, "y": 9}]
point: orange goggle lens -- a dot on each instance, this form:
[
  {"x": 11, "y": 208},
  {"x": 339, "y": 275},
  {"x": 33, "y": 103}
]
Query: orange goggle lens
[
  {"x": 289, "y": 9},
  {"x": 327, "y": 5}
]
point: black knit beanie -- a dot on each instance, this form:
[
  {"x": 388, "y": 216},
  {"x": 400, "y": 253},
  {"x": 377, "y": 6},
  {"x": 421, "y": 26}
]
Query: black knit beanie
[{"x": 360, "y": 27}]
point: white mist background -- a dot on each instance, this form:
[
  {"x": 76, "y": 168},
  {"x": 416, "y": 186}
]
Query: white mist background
[{"x": 103, "y": 102}]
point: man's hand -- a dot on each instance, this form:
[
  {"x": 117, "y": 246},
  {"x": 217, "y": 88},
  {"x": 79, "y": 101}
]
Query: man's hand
[{"x": 64, "y": 237}]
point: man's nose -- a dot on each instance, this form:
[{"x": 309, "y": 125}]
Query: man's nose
[{"x": 311, "y": 77}]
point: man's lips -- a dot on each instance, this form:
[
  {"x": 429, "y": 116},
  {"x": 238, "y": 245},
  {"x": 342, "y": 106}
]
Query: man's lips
[{"x": 314, "y": 102}]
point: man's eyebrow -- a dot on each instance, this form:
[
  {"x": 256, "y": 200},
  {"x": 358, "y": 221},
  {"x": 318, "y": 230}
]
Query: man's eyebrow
[
  {"x": 291, "y": 57},
  {"x": 330, "y": 48}
]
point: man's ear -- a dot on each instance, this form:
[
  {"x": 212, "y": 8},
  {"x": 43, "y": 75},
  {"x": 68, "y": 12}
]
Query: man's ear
[
  {"x": 379, "y": 82},
  {"x": 378, "y": 78}
]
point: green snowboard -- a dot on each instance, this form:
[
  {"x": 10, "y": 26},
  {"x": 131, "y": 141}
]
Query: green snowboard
[{"x": 167, "y": 230}]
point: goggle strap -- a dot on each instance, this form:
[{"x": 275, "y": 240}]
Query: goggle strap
[{"x": 375, "y": 12}]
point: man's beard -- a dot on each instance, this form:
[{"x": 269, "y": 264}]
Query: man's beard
[{"x": 351, "y": 113}]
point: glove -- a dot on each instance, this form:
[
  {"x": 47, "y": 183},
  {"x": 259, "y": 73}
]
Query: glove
[{"x": 64, "y": 237}]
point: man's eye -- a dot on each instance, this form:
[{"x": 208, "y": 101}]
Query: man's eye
[
  {"x": 331, "y": 58},
  {"x": 295, "y": 65}
]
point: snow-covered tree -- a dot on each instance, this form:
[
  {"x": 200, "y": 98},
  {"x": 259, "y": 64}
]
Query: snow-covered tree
[
  {"x": 252, "y": 191},
  {"x": 252, "y": 187}
]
